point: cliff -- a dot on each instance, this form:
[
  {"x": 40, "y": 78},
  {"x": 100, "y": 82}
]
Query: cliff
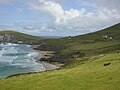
[
  {"x": 8, "y": 38},
  {"x": 17, "y": 37}
]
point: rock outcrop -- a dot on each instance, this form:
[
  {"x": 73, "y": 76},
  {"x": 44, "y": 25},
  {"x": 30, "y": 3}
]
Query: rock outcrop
[
  {"x": 12, "y": 39},
  {"x": 7, "y": 39}
]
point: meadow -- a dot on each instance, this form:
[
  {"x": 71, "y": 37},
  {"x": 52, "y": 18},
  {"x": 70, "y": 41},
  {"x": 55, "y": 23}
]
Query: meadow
[
  {"x": 92, "y": 62},
  {"x": 92, "y": 75}
]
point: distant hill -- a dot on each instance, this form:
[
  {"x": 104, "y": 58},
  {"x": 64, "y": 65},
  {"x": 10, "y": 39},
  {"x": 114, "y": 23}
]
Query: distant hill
[
  {"x": 20, "y": 36},
  {"x": 92, "y": 63},
  {"x": 113, "y": 31},
  {"x": 100, "y": 42}
]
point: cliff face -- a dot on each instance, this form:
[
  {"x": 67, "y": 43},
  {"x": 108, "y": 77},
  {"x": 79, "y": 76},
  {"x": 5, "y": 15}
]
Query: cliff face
[
  {"x": 7, "y": 38},
  {"x": 12, "y": 39}
]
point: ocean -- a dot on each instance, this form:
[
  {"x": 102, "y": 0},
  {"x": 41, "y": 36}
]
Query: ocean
[{"x": 18, "y": 58}]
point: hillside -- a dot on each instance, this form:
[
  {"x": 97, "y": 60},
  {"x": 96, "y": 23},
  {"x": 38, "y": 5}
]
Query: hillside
[
  {"x": 92, "y": 62},
  {"x": 20, "y": 36},
  {"x": 100, "y": 42},
  {"x": 113, "y": 31},
  {"x": 91, "y": 75}
]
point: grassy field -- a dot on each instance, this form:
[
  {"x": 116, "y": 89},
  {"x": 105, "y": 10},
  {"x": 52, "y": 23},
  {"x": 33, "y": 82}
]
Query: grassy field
[
  {"x": 86, "y": 72},
  {"x": 89, "y": 44},
  {"x": 92, "y": 75}
]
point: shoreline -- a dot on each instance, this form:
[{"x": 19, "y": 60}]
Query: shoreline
[
  {"x": 46, "y": 64},
  {"x": 45, "y": 56},
  {"x": 49, "y": 65}
]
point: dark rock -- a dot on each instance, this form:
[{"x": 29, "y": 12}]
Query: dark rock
[
  {"x": 118, "y": 51},
  {"x": 106, "y": 64}
]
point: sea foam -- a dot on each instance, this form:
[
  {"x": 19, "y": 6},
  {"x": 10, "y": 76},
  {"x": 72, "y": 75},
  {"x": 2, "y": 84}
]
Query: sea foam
[{"x": 15, "y": 58}]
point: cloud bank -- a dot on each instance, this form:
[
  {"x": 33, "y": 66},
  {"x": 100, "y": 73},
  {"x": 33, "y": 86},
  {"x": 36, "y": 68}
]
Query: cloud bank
[
  {"x": 101, "y": 14},
  {"x": 80, "y": 18}
]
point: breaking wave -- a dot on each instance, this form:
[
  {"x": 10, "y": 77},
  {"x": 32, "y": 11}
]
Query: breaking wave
[{"x": 15, "y": 58}]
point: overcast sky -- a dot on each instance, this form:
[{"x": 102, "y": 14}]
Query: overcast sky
[{"x": 58, "y": 17}]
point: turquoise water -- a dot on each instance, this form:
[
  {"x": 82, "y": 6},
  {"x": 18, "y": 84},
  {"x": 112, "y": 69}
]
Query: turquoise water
[{"x": 15, "y": 59}]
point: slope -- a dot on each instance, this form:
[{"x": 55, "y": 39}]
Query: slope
[
  {"x": 20, "y": 36},
  {"x": 100, "y": 42},
  {"x": 92, "y": 75}
]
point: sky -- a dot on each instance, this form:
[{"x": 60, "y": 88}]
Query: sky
[{"x": 58, "y": 17}]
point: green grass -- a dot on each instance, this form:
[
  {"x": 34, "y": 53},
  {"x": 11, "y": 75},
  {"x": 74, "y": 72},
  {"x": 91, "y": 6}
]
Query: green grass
[
  {"x": 90, "y": 44},
  {"x": 87, "y": 73},
  {"x": 92, "y": 75},
  {"x": 113, "y": 31},
  {"x": 94, "y": 46}
]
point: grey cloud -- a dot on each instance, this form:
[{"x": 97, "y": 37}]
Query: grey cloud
[
  {"x": 109, "y": 4},
  {"x": 100, "y": 4},
  {"x": 72, "y": 20}
]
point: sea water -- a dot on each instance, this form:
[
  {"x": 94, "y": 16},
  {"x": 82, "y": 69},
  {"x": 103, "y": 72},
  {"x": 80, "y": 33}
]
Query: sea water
[{"x": 18, "y": 58}]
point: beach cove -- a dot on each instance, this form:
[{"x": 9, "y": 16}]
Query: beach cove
[{"x": 21, "y": 58}]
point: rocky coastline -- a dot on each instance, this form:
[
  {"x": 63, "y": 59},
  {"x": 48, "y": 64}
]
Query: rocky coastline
[
  {"x": 46, "y": 56},
  {"x": 8, "y": 38},
  {"x": 49, "y": 66}
]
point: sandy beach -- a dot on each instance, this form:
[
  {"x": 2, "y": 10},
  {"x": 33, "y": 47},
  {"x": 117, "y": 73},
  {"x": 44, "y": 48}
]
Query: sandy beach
[{"x": 46, "y": 54}]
